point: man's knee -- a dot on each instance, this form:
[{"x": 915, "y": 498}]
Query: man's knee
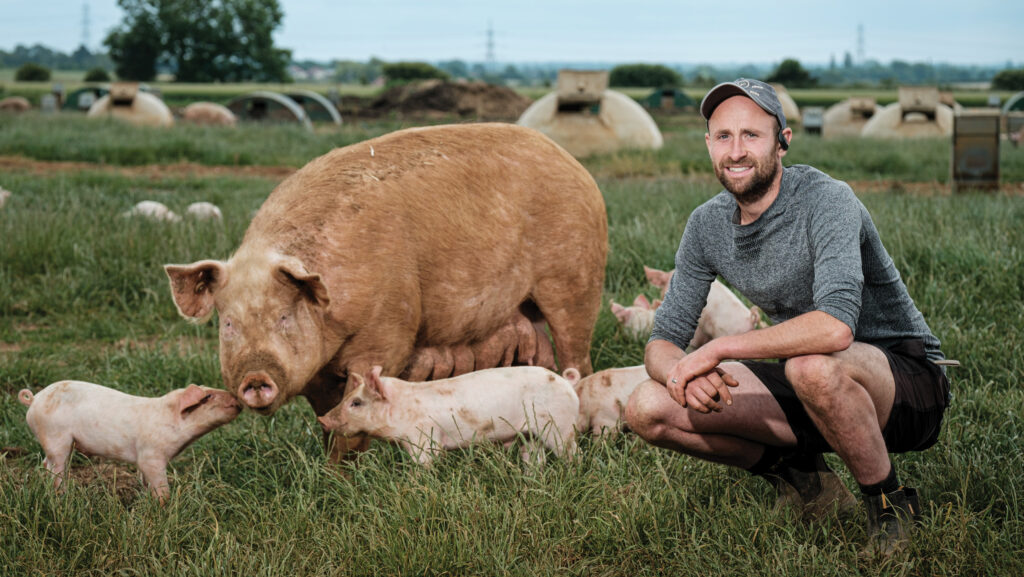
[
  {"x": 813, "y": 376},
  {"x": 646, "y": 410}
]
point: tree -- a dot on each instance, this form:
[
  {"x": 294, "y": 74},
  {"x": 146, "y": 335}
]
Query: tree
[
  {"x": 201, "y": 40},
  {"x": 97, "y": 75},
  {"x": 397, "y": 72},
  {"x": 652, "y": 75},
  {"x": 32, "y": 72},
  {"x": 1009, "y": 80},
  {"x": 791, "y": 74}
]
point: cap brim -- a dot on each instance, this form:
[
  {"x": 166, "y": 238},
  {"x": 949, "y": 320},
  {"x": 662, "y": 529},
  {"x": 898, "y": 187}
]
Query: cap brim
[{"x": 716, "y": 95}]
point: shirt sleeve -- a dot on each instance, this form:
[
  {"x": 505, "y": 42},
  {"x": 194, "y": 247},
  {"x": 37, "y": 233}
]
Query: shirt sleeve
[
  {"x": 676, "y": 319},
  {"x": 835, "y": 238}
]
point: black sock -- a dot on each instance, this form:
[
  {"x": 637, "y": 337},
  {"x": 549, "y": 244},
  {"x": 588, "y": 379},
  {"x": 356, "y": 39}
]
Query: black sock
[
  {"x": 888, "y": 485},
  {"x": 769, "y": 458}
]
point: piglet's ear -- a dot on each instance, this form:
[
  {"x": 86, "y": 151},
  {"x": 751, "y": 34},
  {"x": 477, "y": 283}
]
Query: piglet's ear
[
  {"x": 620, "y": 312},
  {"x": 190, "y": 399},
  {"x": 309, "y": 284},
  {"x": 658, "y": 278},
  {"x": 642, "y": 302},
  {"x": 377, "y": 384},
  {"x": 193, "y": 287}
]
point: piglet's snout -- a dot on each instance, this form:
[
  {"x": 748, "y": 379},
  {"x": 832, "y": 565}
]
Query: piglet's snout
[{"x": 258, "y": 390}]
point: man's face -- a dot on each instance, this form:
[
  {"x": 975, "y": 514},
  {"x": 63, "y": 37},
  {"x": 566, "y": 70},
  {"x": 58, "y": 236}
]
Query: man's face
[{"x": 744, "y": 148}]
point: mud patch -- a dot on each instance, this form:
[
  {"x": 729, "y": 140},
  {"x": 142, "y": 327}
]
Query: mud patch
[
  {"x": 154, "y": 171},
  {"x": 441, "y": 99}
]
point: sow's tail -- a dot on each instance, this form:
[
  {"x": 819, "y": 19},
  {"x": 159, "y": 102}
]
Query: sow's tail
[{"x": 26, "y": 397}]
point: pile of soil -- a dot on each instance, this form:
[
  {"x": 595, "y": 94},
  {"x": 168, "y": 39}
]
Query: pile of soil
[{"x": 438, "y": 98}]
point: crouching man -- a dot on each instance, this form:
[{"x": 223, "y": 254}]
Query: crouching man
[{"x": 856, "y": 371}]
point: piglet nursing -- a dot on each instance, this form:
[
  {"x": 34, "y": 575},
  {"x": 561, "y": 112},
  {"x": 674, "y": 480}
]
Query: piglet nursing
[
  {"x": 495, "y": 405},
  {"x": 103, "y": 422},
  {"x": 603, "y": 397}
]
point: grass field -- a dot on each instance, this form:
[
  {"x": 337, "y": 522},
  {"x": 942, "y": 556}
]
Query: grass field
[{"x": 83, "y": 296}]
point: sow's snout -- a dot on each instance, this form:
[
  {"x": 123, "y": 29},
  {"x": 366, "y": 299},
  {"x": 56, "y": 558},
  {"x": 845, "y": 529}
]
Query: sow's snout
[{"x": 258, "y": 391}]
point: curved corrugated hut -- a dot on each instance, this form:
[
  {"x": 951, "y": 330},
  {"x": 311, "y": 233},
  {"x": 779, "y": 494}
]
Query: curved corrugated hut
[
  {"x": 847, "y": 118},
  {"x": 264, "y": 106},
  {"x": 126, "y": 102},
  {"x": 917, "y": 114},
  {"x": 789, "y": 107},
  {"x": 15, "y": 104},
  {"x": 209, "y": 114},
  {"x": 81, "y": 100},
  {"x": 893, "y": 122},
  {"x": 586, "y": 118},
  {"x": 316, "y": 106},
  {"x": 1014, "y": 103}
]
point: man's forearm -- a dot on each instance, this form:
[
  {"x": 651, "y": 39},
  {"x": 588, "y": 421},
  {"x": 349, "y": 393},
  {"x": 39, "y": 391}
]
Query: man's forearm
[
  {"x": 659, "y": 358},
  {"x": 815, "y": 332}
]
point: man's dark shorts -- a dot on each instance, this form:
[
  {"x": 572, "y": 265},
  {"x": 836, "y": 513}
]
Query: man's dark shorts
[{"x": 922, "y": 395}]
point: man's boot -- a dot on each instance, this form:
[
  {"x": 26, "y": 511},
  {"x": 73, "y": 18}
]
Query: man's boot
[
  {"x": 807, "y": 483},
  {"x": 890, "y": 519}
]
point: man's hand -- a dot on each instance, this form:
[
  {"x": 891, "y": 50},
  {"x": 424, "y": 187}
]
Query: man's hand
[{"x": 697, "y": 382}]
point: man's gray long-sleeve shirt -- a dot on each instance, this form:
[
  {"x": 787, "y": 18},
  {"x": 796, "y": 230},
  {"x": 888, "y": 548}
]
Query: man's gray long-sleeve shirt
[{"x": 815, "y": 248}]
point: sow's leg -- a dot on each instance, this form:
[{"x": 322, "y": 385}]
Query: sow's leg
[{"x": 571, "y": 317}]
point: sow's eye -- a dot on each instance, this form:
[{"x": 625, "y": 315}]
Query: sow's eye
[
  {"x": 356, "y": 403},
  {"x": 227, "y": 328}
]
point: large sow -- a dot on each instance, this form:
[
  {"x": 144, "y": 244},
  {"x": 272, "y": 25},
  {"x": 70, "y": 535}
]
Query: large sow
[{"x": 424, "y": 244}]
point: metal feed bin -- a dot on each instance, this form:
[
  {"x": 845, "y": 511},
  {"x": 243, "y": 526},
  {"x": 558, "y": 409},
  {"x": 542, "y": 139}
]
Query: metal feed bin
[
  {"x": 975, "y": 161},
  {"x": 814, "y": 119}
]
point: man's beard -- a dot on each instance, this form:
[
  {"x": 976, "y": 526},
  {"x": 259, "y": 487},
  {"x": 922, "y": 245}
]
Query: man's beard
[{"x": 765, "y": 172}]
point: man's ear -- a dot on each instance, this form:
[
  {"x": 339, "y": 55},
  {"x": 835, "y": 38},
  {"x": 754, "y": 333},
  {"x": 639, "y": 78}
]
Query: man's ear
[
  {"x": 787, "y": 135},
  {"x": 193, "y": 287}
]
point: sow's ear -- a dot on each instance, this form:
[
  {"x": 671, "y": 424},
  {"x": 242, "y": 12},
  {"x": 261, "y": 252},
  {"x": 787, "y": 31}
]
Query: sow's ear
[
  {"x": 193, "y": 285},
  {"x": 309, "y": 285}
]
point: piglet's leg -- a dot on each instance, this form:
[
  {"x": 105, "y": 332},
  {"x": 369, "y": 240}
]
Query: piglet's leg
[
  {"x": 58, "y": 454},
  {"x": 154, "y": 473}
]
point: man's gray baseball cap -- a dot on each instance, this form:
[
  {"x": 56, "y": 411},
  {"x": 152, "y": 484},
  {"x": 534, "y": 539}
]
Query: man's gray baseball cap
[{"x": 761, "y": 93}]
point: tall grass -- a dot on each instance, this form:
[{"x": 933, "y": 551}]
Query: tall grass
[{"x": 83, "y": 295}]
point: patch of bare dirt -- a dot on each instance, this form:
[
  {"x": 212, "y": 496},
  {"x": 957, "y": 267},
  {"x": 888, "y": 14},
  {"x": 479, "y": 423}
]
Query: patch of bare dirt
[
  {"x": 178, "y": 169},
  {"x": 439, "y": 98}
]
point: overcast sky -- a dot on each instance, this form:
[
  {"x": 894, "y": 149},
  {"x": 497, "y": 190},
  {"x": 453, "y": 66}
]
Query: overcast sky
[{"x": 655, "y": 31}]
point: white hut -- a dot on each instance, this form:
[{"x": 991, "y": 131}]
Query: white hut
[
  {"x": 586, "y": 118},
  {"x": 917, "y": 114},
  {"x": 126, "y": 102},
  {"x": 789, "y": 107},
  {"x": 847, "y": 118}
]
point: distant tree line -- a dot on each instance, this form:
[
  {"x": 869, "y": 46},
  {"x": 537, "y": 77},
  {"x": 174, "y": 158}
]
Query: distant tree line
[
  {"x": 80, "y": 59},
  {"x": 142, "y": 46}
]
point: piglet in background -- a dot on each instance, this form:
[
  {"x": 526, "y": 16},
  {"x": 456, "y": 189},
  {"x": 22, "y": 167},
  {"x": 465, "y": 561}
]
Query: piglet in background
[
  {"x": 638, "y": 319},
  {"x": 495, "y": 405},
  {"x": 102, "y": 422},
  {"x": 152, "y": 210},
  {"x": 204, "y": 211},
  {"x": 4, "y": 195},
  {"x": 723, "y": 315}
]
